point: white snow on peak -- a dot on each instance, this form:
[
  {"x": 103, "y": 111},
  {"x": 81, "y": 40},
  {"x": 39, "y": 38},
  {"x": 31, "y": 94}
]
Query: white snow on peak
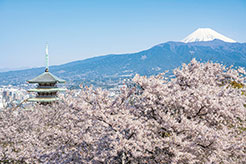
[{"x": 206, "y": 34}]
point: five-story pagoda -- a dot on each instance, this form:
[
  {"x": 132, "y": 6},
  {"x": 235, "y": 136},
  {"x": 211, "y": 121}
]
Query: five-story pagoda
[{"x": 47, "y": 85}]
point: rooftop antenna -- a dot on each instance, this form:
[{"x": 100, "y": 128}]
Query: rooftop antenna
[{"x": 47, "y": 58}]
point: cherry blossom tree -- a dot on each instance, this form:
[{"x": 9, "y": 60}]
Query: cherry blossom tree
[{"x": 197, "y": 116}]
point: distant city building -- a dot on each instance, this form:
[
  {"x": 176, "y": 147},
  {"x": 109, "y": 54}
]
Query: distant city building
[
  {"x": 11, "y": 96},
  {"x": 46, "y": 91}
]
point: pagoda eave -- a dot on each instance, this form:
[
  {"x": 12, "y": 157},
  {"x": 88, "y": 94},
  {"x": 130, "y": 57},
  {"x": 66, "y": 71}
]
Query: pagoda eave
[
  {"x": 47, "y": 90},
  {"x": 43, "y": 99},
  {"x": 60, "y": 81}
]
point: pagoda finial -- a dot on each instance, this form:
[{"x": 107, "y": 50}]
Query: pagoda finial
[{"x": 47, "y": 59}]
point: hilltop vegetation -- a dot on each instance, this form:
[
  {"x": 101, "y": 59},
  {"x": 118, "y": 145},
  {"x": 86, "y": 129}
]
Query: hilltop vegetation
[{"x": 198, "y": 116}]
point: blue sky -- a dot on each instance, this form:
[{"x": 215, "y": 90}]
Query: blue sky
[{"x": 79, "y": 29}]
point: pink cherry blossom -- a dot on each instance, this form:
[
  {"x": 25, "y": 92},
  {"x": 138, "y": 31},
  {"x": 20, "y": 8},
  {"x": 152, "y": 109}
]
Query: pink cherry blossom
[{"x": 197, "y": 116}]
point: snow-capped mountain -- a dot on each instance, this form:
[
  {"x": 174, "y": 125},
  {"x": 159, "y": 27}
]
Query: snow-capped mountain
[{"x": 206, "y": 34}]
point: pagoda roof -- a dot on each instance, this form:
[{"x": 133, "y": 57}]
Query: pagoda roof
[
  {"x": 43, "y": 99},
  {"x": 46, "y": 77},
  {"x": 47, "y": 90}
]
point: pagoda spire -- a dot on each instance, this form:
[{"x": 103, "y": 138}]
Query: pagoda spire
[{"x": 47, "y": 58}]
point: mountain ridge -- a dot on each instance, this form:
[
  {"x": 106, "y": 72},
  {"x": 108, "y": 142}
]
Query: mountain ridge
[{"x": 114, "y": 67}]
